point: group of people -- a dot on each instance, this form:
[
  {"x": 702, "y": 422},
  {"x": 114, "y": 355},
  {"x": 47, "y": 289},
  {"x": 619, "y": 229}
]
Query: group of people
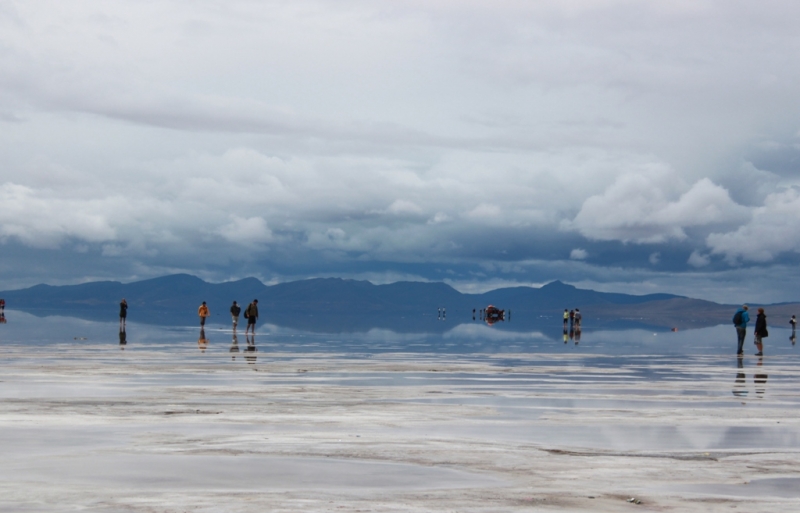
[
  {"x": 572, "y": 318},
  {"x": 250, "y": 313},
  {"x": 740, "y": 320}
]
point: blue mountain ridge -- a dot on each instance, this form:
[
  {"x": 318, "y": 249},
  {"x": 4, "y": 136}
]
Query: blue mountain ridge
[{"x": 184, "y": 291}]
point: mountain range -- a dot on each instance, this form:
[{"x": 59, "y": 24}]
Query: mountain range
[{"x": 354, "y": 304}]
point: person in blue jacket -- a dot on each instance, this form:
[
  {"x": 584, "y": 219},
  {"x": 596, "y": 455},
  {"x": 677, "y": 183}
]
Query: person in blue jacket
[{"x": 740, "y": 320}]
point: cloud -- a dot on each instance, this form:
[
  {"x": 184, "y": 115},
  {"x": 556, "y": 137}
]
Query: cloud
[
  {"x": 654, "y": 258},
  {"x": 250, "y": 231},
  {"x": 44, "y": 219},
  {"x": 396, "y": 138},
  {"x": 773, "y": 229},
  {"x": 697, "y": 259},
  {"x": 637, "y": 208},
  {"x": 578, "y": 254}
]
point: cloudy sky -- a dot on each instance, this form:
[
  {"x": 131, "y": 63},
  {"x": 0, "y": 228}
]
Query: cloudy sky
[{"x": 618, "y": 145}]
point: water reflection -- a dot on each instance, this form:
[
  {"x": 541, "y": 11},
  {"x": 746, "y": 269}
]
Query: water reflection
[
  {"x": 123, "y": 338},
  {"x": 740, "y": 385},
  {"x": 759, "y": 379},
  {"x": 2, "y": 318},
  {"x": 234, "y": 345},
  {"x": 202, "y": 341},
  {"x": 250, "y": 353}
]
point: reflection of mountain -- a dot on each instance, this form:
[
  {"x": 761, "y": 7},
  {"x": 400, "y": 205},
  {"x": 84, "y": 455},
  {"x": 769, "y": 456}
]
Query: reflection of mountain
[{"x": 351, "y": 305}]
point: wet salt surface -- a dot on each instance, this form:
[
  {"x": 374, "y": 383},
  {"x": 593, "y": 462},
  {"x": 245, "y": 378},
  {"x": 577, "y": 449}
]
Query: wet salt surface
[{"x": 301, "y": 421}]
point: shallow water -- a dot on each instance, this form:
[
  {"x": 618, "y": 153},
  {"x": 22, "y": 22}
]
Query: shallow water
[{"x": 472, "y": 408}]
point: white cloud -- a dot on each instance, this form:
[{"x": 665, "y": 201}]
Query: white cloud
[
  {"x": 654, "y": 258},
  {"x": 399, "y": 131},
  {"x": 253, "y": 230},
  {"x": 638, "y": 207},
  {"x": 697, "y": 259},
  {"x": 773, "y": 229},
  {"x": 578, "y": 254}
]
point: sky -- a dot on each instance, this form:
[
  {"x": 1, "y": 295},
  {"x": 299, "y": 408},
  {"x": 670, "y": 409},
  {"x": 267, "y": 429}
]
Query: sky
[{"x": 616, "y": 145}]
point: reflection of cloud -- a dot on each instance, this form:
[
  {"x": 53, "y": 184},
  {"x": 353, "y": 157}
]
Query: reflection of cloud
[{"x": 482, "y": 331}]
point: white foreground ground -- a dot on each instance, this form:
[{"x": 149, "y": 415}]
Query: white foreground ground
[{"x": 171, "y": 429}]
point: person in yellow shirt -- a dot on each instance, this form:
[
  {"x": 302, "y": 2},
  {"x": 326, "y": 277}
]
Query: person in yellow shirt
[{"x": 203, "y": 313}]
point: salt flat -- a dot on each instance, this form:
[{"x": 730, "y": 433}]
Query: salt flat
[{"x": 298, "y": 424}]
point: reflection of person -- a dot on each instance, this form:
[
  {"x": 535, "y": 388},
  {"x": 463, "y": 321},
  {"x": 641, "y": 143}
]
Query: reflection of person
[
  {"x": 739, "y": 385},
  {"x": 793, "y": 338},
  {"x": 760, "y": 331},
  {"x": 740, "y": 320},
  {"x": 251, "y": 314},
  {"x": 202, "y": 341},
  {"x": 123, "y": 313},
  {"x": 235, "y": 310},
  {"x": 203, "y": 313},
  {"x": 760, "y": 379},
  {"x": 234, "y": 346},
  {"x": 578, "y": 334},
  {"x": 250, "y": 355},
  {"x": 3, "y": 318},
  {"x": 123, "y": 338},
  {"x": 566, "y": 336}
]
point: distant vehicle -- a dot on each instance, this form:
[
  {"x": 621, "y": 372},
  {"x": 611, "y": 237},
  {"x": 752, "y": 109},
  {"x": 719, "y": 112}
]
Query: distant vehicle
[{"x": 494, "y": 314}]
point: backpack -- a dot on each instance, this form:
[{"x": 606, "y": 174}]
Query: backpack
[{"x": 737, "y": 318}]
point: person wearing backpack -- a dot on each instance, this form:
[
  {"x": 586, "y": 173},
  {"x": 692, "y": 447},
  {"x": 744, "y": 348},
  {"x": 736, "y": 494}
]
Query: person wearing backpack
[
  {"x": 740, "y": 320},
  {"x": 251, "y": 314},
  {"x": 761, "y": 331}
]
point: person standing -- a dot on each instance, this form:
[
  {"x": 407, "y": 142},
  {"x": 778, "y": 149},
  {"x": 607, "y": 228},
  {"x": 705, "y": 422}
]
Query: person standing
[
  {"x": 740, "y": 320},
  {"x": 203, "y": 313},
  {"x": 235, "y": 310},
  {"x": 123, "y": 314},
  {"x": 566, "y": 318},
  {"x": 3, "y": 306},
  {"x": 793, "y": 322},
  {"x": 578, "y": 319},
  {"x": 251, "y": 314},
  {"x": 761, "y": 331}
]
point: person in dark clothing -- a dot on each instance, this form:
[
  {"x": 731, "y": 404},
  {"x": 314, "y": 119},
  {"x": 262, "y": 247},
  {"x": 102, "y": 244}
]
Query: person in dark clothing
[
  {"x": 251, "y": 313},
  {"x": 740, "y": 320},
  {"x": 761, "y": 331},
  {"x": 123, "y": 313},
  {"x": 235, "y": 311}
]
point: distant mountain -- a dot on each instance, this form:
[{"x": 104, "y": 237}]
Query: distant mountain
[{"x": 352, "y": 303}]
